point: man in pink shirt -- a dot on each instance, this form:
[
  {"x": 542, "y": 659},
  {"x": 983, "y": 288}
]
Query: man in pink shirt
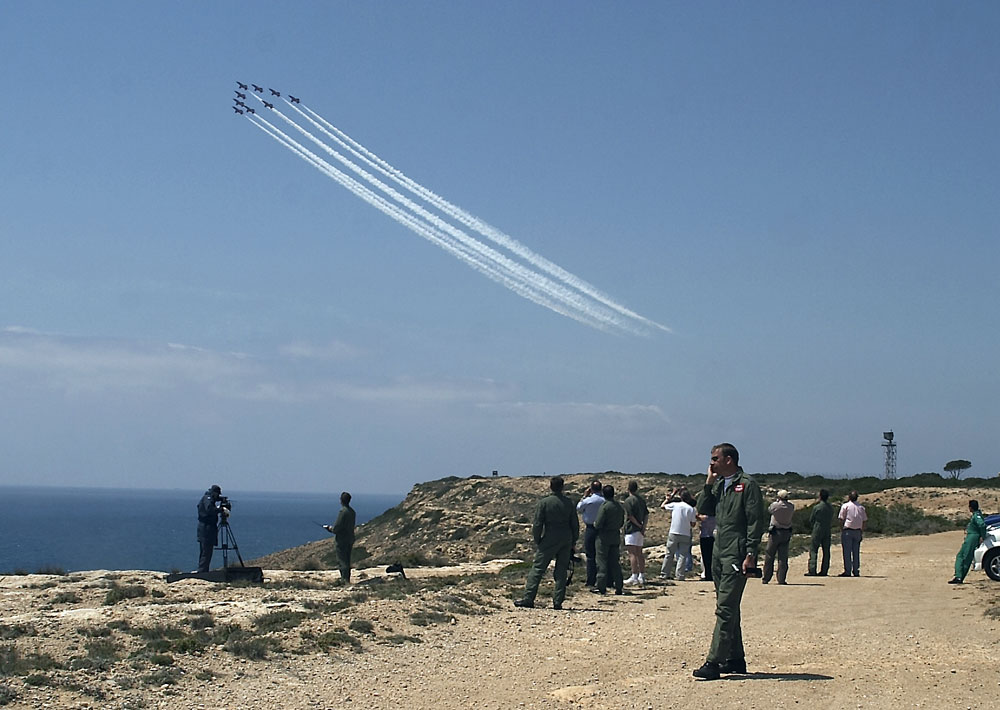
[{"x": 852, "y": 521}]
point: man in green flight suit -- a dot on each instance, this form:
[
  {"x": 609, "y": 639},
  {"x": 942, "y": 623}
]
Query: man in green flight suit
[
  {"x": 741, "y": 520},
  {"x": 343, "y": 532},
  {"x": 821, "y": 520},
  {"x": 608, "y": 527},
  {"x": 555, "y": 529},
  {"x": 974, "y": 532}
]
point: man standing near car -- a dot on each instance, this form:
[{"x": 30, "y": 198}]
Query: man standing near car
[
  {"x": 740, "y": 523},
  {"x": 975, "y": 532},
  {"x": 852, "y": 520}
]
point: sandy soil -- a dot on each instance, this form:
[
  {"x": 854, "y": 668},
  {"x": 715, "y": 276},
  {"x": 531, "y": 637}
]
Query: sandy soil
[{"x": 899, "y": 636}]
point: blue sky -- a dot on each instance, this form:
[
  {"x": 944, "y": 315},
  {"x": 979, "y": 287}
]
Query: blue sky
[{"x": 805, "y": 194}]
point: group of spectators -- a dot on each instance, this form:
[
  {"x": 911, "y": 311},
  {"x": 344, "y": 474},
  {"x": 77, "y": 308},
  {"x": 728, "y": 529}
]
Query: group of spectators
[{"x": 733, "y": 521}]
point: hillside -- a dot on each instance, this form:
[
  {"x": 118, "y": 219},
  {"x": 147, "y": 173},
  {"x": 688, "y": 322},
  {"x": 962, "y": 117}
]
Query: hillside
[{"x": 456, "y": 520}]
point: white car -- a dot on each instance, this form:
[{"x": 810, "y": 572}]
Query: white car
[{"x": 987, "y": 557}]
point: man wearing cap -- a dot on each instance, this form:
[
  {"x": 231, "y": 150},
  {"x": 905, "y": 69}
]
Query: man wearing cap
[
  {"x": 779, "y": 535},
  {"x": 343, "y": 532},
  {"x": 588, "y": 509},
  {"x": 820, "y": 519},
  {"x": 208, "y": 526},
  {"x": 740, "y": 522}
]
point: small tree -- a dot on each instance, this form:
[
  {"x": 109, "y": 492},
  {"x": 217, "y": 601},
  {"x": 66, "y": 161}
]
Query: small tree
[{"x": 955, "y": 468}]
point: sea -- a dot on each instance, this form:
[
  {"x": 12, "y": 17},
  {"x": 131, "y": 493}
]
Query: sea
[{"x": 74, "y": 529}]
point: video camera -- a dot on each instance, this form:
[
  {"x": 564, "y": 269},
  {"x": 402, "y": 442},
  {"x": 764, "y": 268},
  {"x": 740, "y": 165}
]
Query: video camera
[{"x": 225, "y": 506}]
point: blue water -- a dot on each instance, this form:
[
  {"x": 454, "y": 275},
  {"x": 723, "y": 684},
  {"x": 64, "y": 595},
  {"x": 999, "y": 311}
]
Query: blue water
[{"x": 100, "y": 528}]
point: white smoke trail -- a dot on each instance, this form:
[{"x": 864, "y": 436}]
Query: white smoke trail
[
  {"x": 467, "y": 219},
  {"x": 489, "y": 269},
  {"x": 517, "y": 270}
]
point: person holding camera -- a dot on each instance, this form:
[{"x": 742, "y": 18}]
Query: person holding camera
[
  {"x": 740, "y": 520},
  {"x": 779, "y": 536},
  {"x": 209, "y": 508},
  {"x": 343, "y": 533}
]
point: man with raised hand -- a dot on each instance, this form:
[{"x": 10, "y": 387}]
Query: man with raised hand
[{"x": 740, "y": 523}]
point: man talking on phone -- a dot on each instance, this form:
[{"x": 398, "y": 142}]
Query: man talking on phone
[{"x": 740, "y": 523}]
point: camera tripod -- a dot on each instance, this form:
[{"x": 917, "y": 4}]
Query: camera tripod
[{"x": 227, "y": 542}]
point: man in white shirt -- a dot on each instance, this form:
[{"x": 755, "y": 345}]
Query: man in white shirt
[
  {"x": 588, "y": 509},
  {"x": 852, "y": 520},
  {"x": 683, "y": 515}
]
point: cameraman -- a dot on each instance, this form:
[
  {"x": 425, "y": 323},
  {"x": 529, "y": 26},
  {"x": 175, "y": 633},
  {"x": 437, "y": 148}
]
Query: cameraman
[{"x": 209, "y": 508}]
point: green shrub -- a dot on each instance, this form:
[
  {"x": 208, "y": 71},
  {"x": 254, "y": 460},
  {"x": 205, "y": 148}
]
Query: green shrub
[
  {"x": 13, "y": 631},
  {"x": 428, "y": 617},
  {"x": 119, "y": 593},
  {"x": 52, "y": 570},
  {"x": 279, "y": 620},
  {"x": 201, "y": 620},
  {"x": 502, "y": 547},
  {"x": 337, "y": 639},
  {"x": 66, "y": 598},
  {"x": 401, "y": 639},
  {"x": 362, "y": 626},
  {"x": 7, "y": 694},
  {"x": 162, "y": 676}
]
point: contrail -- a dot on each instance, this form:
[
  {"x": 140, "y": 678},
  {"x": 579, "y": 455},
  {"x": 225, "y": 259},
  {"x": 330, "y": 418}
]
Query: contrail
[
  {"x": 586, "y": 304},
  {"x": 520, "y": 271},
  {"x": 465, "y": 218},
  {"x": 488, "y": 269}
]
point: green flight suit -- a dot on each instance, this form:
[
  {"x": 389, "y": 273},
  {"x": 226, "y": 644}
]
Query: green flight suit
[
  {"x": 821, "y": 519},
  {"x": 974, "y": 532},
  {"x": 608, "y": 526},
  {"x": 555, "y": 529},
  {"x": 343, "y": 531},
  {"x": 740, "y": 519}
]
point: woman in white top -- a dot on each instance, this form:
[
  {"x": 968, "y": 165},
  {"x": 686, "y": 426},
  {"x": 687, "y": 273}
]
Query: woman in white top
[{"x": 683, "y": 516}]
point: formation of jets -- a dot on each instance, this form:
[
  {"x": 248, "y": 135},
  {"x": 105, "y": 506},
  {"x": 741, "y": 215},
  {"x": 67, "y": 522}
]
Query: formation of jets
[{"x": 242, "y": 108}]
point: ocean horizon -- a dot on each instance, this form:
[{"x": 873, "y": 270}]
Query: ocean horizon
[{"x": 77, "y": 528}]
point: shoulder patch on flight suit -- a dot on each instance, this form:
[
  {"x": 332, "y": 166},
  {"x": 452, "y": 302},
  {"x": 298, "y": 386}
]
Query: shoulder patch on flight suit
[{"x": 738, "y": 488}]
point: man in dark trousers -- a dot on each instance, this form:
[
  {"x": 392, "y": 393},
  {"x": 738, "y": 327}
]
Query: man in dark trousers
[
  {"x": 608, "y": 526},
  {"x": 343, "y": 531},
  {"x": 975, "y": 531},
  {"x": 740, "y": 523},
  {"x": 821, "y": 520},
  {"x": 588, "y": 509},
  {"x": 555, "y": 529},
  {"x": 208, "y": 526}
]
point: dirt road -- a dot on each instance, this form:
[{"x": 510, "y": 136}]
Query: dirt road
[{"x": 899, "y": 636}]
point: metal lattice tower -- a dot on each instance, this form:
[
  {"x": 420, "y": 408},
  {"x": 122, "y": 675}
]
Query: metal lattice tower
[{"x": 890, "y": 455}]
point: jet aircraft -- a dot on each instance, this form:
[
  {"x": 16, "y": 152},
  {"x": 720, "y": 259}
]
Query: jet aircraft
[
  {"x": 242, "y": 85},
  {"x": 237, "y": 110},
  {"x": 258, "y": 89},
  {"x": 250, "y": 110},
  {"x": 294, "y": 100},
  {"x": 242, "y": 96},
  {"x": 267, "y": 105},
  {"x": 273, "y": 92},
  {"x": 240, "y": 103}
]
